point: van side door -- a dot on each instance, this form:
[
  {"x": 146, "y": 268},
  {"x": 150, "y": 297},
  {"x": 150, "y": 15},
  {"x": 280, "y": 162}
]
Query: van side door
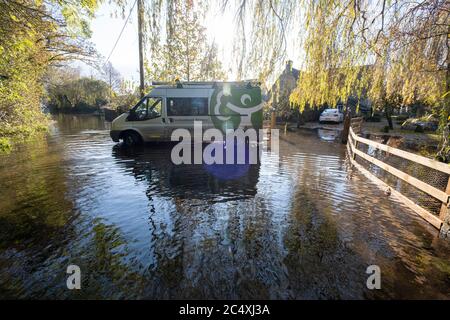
[{"x": 183, "y": 111}]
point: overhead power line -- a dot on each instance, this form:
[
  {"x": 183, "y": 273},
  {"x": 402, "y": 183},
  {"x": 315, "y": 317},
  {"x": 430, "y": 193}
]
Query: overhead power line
[{"x": 123, "y": 28}]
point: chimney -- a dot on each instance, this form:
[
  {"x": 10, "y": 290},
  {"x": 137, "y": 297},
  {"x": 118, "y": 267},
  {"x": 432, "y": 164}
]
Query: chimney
[{"x": 289, "y": 66}]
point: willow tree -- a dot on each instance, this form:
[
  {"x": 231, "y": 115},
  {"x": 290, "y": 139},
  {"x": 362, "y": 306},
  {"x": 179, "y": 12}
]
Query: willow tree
[
  {"x": 392, "y": 52},
  {"x": 404, "y": 44},
  {"x": 262, "y": 30}
]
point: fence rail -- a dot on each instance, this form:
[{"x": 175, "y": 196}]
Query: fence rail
[{"x": 437, "y": 221}]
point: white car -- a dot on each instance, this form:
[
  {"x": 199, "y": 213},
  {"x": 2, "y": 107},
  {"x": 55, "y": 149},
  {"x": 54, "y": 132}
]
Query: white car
[{"x": 331, "y": 115}]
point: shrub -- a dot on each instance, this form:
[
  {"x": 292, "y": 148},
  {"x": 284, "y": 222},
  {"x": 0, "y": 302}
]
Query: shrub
[{"x": 5, "y": 145}]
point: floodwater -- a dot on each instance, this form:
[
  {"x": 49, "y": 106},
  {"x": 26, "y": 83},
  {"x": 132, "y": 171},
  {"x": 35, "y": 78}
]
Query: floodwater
[{"x": 304, "y": 227}]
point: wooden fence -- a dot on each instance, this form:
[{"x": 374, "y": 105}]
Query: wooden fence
[
  {"x": 356, "y": 124},
  {"x": 439, "y": 221}
]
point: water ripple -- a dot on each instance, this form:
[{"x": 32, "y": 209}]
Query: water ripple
[{"x": 304, "y": 225}]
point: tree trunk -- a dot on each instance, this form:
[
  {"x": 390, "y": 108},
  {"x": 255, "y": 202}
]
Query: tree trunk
[
  {"x": 141, "y": 48},
  {"x": 300, "y": 120},
  {"x": 444, "y": 152},
  {"x": 273, "y": 120},
  {"x": 346, "y": 130},
  {"x": 388, "y": 113}
]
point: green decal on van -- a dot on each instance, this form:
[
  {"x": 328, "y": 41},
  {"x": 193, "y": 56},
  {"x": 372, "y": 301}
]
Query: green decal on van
[{"x": 232, "y": 106}]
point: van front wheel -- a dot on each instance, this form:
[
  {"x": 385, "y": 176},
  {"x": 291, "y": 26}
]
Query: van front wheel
[{"x": 131, "y": 139}]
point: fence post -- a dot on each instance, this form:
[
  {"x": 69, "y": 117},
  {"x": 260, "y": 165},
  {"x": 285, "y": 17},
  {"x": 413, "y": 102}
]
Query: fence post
[
  {"x": 346, "y": 130},
  {"x": 356, "y": 147},
  {"x": 444, "y": 215}
]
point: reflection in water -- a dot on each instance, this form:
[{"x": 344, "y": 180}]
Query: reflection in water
[
  {"x": 140, "y": 227},
  {"x": 328, "y": 134},
  {"x": 193, "y": 182}
]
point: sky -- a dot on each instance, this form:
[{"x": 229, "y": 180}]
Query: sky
[{"x": 106, "y": 29}]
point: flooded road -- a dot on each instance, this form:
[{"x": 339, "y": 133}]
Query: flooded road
[{"x": 305, "y": 227}]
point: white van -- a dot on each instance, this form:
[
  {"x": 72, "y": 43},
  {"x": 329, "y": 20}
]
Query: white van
[{"x": 221, "y": 105}]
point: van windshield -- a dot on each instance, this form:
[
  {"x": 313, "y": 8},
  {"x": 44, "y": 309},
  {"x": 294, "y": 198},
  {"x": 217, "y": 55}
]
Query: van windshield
[
  {"x": 148, "y": 108},
  {"x": 155, "y": 107}
]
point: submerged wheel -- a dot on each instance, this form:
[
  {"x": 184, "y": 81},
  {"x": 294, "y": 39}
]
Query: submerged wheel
[{"x": 131, "y": 139}]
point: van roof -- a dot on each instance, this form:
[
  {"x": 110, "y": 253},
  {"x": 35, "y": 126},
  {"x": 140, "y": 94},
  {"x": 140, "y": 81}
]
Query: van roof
[{"x": 203, "y": 84}]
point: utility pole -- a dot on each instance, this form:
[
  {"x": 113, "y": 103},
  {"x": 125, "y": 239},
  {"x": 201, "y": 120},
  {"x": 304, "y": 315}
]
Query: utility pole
[
  {"x": 140, "y": 9},
  {"x": 110, "y": 83}
]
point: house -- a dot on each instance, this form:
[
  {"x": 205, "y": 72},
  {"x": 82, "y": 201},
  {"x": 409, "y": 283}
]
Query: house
[
  {"x": 278, "y": 99},
  {"x": 281, "y": 90}
]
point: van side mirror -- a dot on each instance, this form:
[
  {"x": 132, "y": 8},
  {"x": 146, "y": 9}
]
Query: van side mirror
[{"x": 131, "y": 115}]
